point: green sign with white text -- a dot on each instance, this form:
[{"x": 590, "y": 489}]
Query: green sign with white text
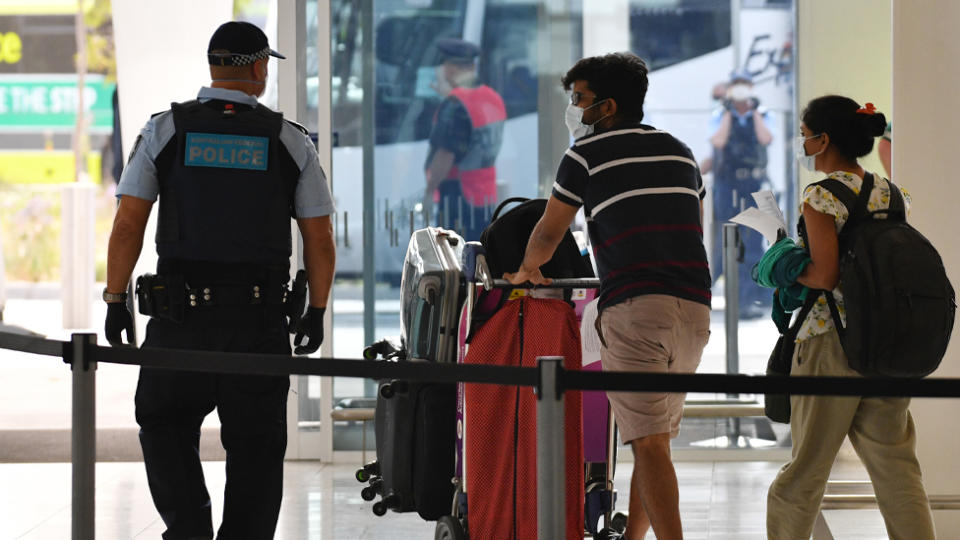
[{"x": 35, "y": 102}]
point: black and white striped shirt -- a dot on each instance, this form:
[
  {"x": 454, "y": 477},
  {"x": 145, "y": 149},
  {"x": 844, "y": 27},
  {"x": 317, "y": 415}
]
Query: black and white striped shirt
[{"x": 641, "y": 191}]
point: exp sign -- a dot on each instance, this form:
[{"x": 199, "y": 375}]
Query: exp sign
[{"x": 226, "y": 151}]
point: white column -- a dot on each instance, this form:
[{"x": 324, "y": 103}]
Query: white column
[
  {"x": 324, "y": 145},
  {"x": 926, "y": 82},
  {"x": 76, "y": 255},
  {"x": 161, "y": 57},
  {"x": 291, "y": 34},
  {"x": 844, "y": 48},
  {"x": 606, "y": 27}
]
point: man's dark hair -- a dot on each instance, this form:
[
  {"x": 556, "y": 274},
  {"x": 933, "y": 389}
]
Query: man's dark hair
[
  {"x": 851, "y": 128},
  {"x": 621, "y": 76}
]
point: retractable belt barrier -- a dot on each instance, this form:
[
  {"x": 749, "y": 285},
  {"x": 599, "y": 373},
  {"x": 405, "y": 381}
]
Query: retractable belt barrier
[
  {"x": 549, "y": 380},
  {"x": 265, "y": 364}
]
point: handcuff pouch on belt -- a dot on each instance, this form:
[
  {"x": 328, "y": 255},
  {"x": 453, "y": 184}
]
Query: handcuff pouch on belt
[{"x": 161, "y": 297}]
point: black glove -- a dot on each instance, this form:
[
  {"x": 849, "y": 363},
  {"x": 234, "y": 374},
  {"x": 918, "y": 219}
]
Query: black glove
[
  {"x": 311, "y": 326},
  {"x": 118, "y": 320}
]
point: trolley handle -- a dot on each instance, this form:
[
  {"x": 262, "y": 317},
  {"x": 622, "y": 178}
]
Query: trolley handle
[{"x": 476, "y": 270}]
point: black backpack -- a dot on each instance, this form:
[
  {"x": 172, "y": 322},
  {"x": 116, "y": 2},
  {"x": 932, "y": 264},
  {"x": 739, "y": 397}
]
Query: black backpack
[
  {"x": 505, "y": 241},
  {"x": 899, "y": 302}
]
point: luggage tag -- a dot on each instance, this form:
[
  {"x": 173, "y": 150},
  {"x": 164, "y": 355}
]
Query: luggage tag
[{"x": 517, "y": 293}]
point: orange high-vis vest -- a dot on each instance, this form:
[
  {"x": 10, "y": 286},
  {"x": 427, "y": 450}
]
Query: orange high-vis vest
[{"x": 476, "y": 171}]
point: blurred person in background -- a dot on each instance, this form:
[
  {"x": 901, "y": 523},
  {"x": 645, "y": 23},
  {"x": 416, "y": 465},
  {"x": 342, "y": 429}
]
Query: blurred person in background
[
  {"x": 464, "y": 142},
  {"x": 741, "y": 133}
]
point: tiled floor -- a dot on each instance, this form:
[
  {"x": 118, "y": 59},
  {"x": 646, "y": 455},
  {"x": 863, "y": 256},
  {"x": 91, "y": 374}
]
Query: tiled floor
[{"x": 718, "y": 501}]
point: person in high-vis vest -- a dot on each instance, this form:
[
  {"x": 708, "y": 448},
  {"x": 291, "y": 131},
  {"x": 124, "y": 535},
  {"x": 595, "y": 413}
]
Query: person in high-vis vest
[
  {"x": 229, "y": 174},
  {"x": 464, "y": 143}
]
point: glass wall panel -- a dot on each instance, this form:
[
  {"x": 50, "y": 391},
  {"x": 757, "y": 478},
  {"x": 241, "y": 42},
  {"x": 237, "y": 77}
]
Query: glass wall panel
[
  {"x": 693, "y": 47},
  {"x": 406, "y": 100},
  {"x": 711, "y": 61}
]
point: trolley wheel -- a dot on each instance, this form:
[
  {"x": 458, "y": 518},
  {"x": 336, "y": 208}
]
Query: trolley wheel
[
  {"x": 608, "y": 534},
  {"x": 400, "y": 387},
  {"x": 449, "y": 528},
  {"x": 362, "y": 476},
  {"x": 618, "y": 522},
  {"x": 370, "y": 352},
  {"x": 368, "y": 493},
  {"x": 372, "y": 468},
  {"x": 379, "y": 508},
  {"x": 387, "y": 391}
]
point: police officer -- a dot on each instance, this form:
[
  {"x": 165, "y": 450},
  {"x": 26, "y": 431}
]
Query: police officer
[
  {"x": 464, "y": 142},
  {"x": 229, "y": 174},
  {"x": 741, "y": 134}
]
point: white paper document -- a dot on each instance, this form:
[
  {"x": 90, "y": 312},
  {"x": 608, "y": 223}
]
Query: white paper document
[{"x": 765, "y": 218}]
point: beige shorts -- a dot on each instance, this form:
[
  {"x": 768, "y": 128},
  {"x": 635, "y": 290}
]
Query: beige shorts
[{"x": 655, "y": 334}]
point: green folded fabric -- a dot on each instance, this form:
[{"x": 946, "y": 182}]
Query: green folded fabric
[
  {"x": 785, "y": 301},
  {"x": 781, "y": 265}
]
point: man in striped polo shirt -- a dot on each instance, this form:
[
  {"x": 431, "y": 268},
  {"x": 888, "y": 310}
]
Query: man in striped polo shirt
[{"x": 642, "y": 194}]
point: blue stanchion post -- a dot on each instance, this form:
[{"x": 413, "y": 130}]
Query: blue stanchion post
[
  {"x": 83, "y": 436},
  {"x": 551, "y": 470}
]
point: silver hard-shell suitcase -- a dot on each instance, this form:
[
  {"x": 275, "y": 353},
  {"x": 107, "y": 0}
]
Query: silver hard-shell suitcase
[{"x": 431, "y": 294}]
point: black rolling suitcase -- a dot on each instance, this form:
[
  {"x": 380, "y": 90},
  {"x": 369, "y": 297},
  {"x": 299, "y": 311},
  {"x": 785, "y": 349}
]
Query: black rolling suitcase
[
  {"x": 416, "y": 447},
  {"x": 415, "y": 423}
]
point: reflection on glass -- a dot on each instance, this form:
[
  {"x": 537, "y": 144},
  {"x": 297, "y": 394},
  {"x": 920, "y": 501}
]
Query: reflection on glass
[
  {"x": 716, "y": 70},
  {"x": 692, "y": 47}
]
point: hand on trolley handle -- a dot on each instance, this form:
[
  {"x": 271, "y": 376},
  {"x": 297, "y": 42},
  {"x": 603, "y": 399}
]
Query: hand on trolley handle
[{"x": 523, "y": 275}]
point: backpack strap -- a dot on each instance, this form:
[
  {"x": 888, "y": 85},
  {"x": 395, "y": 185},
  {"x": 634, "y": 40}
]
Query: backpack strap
[
  {"x": 794, "y": 329},
  {"x": 897, "y": 209},
  {"x": 856, "y": 204},
  {"x": 835, "y": 313}
]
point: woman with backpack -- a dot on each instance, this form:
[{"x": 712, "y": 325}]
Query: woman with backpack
[{"x": 835, "y": 132}]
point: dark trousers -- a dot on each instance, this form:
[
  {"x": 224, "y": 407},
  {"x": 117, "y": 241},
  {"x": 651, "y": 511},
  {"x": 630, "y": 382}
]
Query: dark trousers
[
  {"x": 171, "y": 405},
  {"x": 727, "y": 198},
  {"x": 455, "y": 213}
]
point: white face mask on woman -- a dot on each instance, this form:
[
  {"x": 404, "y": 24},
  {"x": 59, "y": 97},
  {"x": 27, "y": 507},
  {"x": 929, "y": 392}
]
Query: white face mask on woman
[
  {"x": 807, "y": 162},
  {"x": 573, "y": 117}
]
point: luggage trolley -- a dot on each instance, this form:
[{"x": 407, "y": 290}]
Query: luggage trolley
[
  {"x": 446, "y": 286},
  {"x": 484, "y": 295}
]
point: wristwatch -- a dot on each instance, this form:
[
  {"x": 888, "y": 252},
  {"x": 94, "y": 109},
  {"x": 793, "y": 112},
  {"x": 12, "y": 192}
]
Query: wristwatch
[{"x": 110, "y": 297}]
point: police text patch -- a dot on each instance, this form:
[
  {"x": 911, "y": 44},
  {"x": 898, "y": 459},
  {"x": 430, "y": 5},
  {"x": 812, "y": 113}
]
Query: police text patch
[{"x": 226, "y": 151}]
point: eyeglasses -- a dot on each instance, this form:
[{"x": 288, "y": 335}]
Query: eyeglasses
[{"x": 575, "y": 97}]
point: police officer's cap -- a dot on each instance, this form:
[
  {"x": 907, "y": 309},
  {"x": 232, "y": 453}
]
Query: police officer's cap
[
  {"x": 237, "y": 44},
  {"x": 741, "y": 76},
  {"x": 457, "y": 50}
]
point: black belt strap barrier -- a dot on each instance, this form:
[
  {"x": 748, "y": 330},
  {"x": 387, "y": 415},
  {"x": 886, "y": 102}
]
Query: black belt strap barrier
[
  {"x": 32, "y": 344},
  {"x": 263, "y": 364}
]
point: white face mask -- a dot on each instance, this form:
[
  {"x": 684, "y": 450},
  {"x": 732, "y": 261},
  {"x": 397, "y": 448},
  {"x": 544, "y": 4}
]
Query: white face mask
[
  {"x": 807, "y": 162},
  {"x": 573, "y": 117},
  {"x": 740, "y": 92}
]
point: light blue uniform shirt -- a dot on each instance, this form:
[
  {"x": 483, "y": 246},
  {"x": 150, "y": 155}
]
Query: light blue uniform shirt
[{"x": 139, "y": 178}]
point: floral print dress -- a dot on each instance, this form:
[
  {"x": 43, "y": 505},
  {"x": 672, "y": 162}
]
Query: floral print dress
[{"x": 819, "y": 321}]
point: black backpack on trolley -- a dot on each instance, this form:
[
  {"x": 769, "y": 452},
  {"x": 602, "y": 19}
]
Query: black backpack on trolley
[
  {"x": 899, "y": 303},
  {"x": 505, "y": 241}
]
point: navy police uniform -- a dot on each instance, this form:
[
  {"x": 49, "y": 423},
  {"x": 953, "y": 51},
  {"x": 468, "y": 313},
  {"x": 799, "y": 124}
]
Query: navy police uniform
[
  {"x": 229, "y": 174},
  {"x": 740, "y": 169}
]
